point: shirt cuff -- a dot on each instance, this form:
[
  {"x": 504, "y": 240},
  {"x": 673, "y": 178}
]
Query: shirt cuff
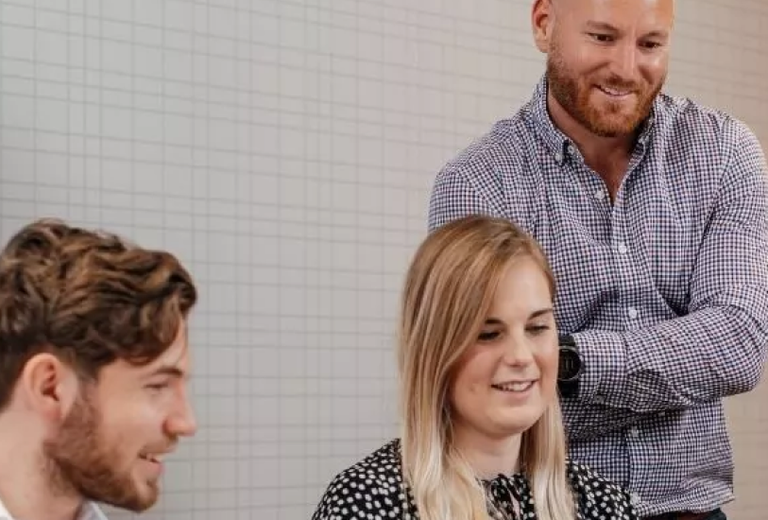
[{"x": 604, "y": 361}]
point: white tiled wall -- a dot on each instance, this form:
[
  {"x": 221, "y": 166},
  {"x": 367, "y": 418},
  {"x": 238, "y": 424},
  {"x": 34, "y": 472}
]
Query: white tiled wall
[{"x": 284, "y": 149}]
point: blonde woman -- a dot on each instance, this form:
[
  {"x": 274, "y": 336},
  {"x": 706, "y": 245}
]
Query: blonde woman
[{"x": 481, "y": 436}]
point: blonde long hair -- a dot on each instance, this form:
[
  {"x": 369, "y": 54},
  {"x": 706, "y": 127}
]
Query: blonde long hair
[{"x": 448, "y": 292}]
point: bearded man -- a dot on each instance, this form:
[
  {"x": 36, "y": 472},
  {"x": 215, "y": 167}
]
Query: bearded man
[
  {"x": 94, "y": 362},
  {"x": 652, "y": 210}
]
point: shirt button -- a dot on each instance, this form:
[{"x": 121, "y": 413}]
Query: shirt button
[
  {"x": 634, "y": 432},
  {"x": 599, "y": 399},
  {"x": 634, "y": 498},
  {"x": 632, "y": 313},
  {"x": 599, "y": 194},
  {"x": 558, "y": 158},
  {"x": 622, "y": 248}
]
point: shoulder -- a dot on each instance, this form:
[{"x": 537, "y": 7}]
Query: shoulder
[
  {"x": 505, "y": 140},
  {"x": 499, "y": 166},
  {"x": 372, "y": 484},
  {"x": 705, "y": 151},
  {"x": 690, "y": 123},
  {"x": 505, "y": 144},
  {"x": 596, "y": 494}
]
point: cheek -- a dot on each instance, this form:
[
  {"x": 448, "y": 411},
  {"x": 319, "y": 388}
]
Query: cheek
[
  {"x": 586, "y": 60},
  {"x": 657, "y": 75},
  {"x": 472, "y": 379},
  {"x": 134, "y": 420},
  {"x": 547, "y": 360},
  {"x": 655, "y": 70},
  {"x": 577, "y": 60}
]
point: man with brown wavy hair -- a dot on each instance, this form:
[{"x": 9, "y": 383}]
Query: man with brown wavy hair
[{"x": 93, "y": 369}]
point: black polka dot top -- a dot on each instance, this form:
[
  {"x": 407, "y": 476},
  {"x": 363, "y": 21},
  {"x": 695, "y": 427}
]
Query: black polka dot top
[{"x": 373, "y": 489}]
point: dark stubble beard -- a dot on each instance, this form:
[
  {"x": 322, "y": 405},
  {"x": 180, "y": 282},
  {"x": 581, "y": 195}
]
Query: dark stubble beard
[
  {"x": 79, "y": 461},
  {"x": 573, "y": 94}
]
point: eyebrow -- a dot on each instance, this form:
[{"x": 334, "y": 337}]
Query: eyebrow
[
  {"x": 541, "y": 312},
  {"x": 535, "y": 314},
  {"x": 600, "y": 26},
  {"x": 167, "y": 370},
  {"x": 603, "y": 26}
]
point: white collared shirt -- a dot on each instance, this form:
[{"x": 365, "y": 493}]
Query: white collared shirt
[{"x": 90, "y": 511}]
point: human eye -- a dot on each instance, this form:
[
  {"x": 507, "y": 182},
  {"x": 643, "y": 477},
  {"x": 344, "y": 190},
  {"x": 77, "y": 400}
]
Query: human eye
[
  {"x": 650, "y": 45},
  {"x": 488, "y": 335},
  {"x": 601, "y": 37},
  {"x": 158, "y": 386},
  {"x": 537, "y": 328}
]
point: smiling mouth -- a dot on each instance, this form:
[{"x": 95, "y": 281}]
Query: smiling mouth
[
  {"x": 614, "y": 92},
  {"x": 515, "y": 386},
  {"x": 157, "y": 459}
]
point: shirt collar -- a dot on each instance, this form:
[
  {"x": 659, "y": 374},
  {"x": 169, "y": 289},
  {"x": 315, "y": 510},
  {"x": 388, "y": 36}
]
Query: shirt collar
[
  {"x": 554, "y": 139},
  {"x": 89, "y": 511}
]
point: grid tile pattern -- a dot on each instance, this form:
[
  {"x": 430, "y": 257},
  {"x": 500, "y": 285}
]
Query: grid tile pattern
[{"x": 284, "y": 149}]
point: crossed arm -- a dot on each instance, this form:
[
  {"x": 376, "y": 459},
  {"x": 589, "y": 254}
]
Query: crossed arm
[{"x": 719, "y": 348}]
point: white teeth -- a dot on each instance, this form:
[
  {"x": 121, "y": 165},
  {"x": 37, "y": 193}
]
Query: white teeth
[
  {"x": 515, "y": 387},
  {"x": 614, "y": 92},
  {"x": 151, "y": 458}
]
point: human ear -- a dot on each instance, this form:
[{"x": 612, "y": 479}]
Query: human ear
[
  {"x": 541, "y": 23},
  {"x": 48, "y": 386}
]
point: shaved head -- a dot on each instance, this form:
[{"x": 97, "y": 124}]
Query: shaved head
[{"x": 606, "y": 59}]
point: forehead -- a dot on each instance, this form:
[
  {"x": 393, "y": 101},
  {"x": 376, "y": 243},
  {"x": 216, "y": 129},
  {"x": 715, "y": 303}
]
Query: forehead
[
  {"x": 621, "y": 12},
  {"x": 176, "y": 355},
  {"x": 523, "y": 289}
]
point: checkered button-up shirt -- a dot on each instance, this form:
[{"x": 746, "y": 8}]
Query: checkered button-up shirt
[{"x": 665, "y": 290}]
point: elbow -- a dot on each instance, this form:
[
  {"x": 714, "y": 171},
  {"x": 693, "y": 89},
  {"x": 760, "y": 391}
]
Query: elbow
[
  {"x": 744, "y": 363},
  {"x": 738, "y": 377},
  {"x": 753, "y": 375},
  {"x": 747, "y": 379},
  {"x": 745, "y": 370}
]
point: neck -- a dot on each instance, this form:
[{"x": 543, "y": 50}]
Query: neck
[
  {"x": 488, "y": 456},
  {"x": 25, "y": 487}
]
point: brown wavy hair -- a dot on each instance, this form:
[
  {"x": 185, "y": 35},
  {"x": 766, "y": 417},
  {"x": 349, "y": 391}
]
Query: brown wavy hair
[{"x": 89, "y": 297}]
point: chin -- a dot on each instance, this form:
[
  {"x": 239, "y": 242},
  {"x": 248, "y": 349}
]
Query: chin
[
  {"x": 147, "y": 495},
  {"x": 512, "y": 430},
  {"x": 613, "y": 127},
  {"x": 141, "y": 496},
  {"x": 520, "y": 423}
]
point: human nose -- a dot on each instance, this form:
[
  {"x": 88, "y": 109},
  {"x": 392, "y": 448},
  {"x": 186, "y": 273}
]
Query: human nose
[
  {"x": 517, "y": 351},
  {"x": 182, "y": 422},
  {"x": 624, "y": 62}
]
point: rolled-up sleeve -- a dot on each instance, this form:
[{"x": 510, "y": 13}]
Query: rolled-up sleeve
[{"x": 719, "y": 348}]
